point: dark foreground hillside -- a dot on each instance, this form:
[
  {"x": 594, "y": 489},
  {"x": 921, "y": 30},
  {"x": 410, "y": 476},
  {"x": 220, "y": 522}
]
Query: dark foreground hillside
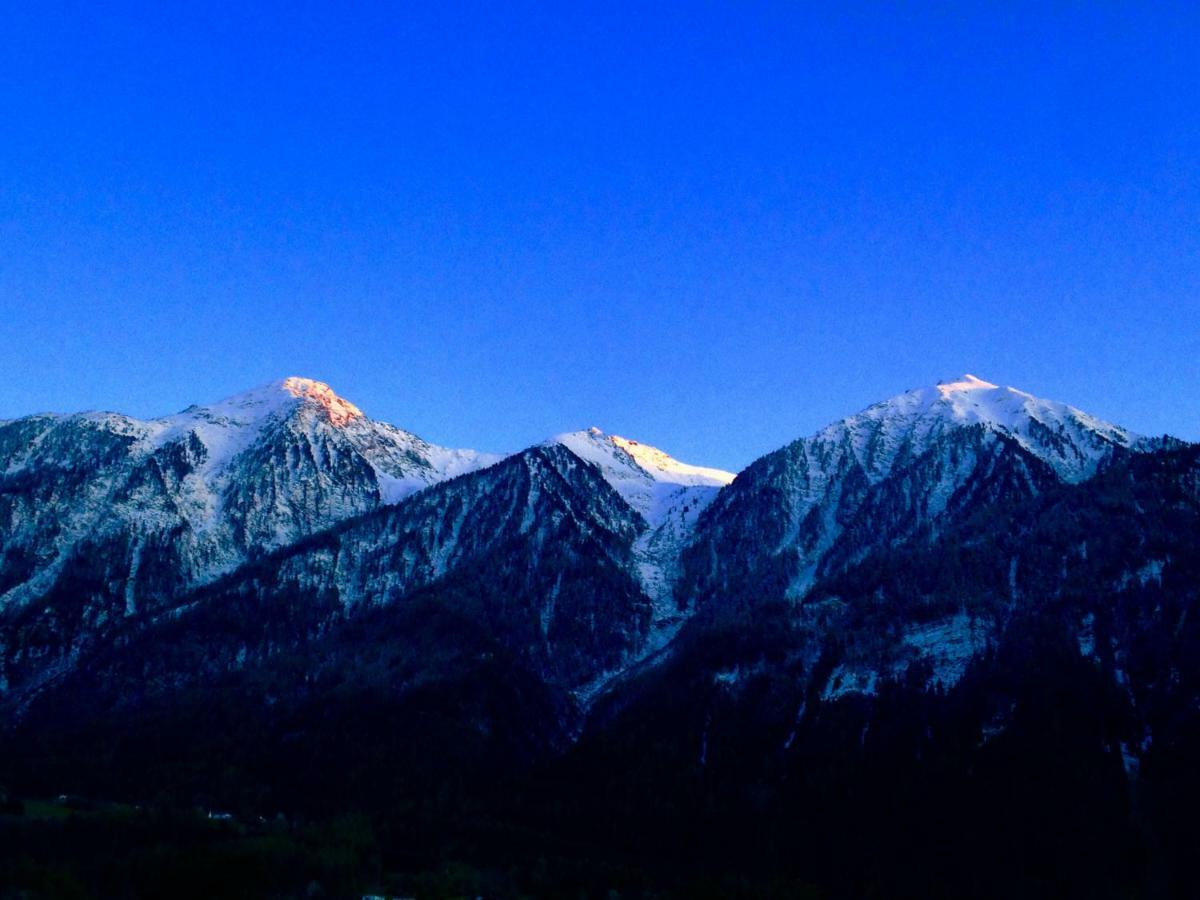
[{"x": 407, "y": 750}]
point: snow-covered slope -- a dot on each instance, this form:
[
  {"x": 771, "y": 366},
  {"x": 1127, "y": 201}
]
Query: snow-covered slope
[{"x": 667, "y": 493}]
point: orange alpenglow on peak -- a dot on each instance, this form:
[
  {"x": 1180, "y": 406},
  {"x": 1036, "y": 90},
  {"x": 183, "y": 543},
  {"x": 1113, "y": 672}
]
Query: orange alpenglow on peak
[{"x": 341, "y": 412}]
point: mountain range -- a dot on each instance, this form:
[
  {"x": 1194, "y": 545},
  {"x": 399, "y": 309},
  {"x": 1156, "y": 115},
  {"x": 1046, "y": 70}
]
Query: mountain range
[{"x": 963, "y": 599}]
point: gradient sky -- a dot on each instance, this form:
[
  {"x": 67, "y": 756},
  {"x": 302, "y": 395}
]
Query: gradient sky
[{"x": 711, "y": 227}]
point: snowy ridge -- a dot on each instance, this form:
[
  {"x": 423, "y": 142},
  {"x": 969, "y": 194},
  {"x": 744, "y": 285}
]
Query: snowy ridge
[
  {"x": 649, "y": 480},
  {"x": 667, "y": 469}
]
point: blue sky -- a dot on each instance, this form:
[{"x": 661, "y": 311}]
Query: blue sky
[{"x": 712, "y": 227}]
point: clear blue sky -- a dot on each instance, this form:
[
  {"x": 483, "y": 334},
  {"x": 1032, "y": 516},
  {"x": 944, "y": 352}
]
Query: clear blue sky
[{"x": 713, "y": 227}]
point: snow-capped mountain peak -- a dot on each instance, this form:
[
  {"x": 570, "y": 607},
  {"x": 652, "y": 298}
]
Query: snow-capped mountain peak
[
  {"x": 280, "y": 396},
  {"x": 967, "y": 382},
  {"x": 898, "y": 465},
  {"x": 402, "y": 461},
  {"x": 233, "y": 424},
  {"x": 339, "y": 410},
  {"x": 604, "y": 449},
  {"x": 646, "y": 477},
  {"x": 1068, "y": 439},
  {"x": 254, "y": 471}
]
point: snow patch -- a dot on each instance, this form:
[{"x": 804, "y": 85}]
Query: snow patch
[
  {"x": 1151, "y": 571},
  {"x": 844, "y": 680},
  {"x": 948, "y": 645},
  {"x": 1087, "y": 636},
  {"x": 727, "y": 676}
]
